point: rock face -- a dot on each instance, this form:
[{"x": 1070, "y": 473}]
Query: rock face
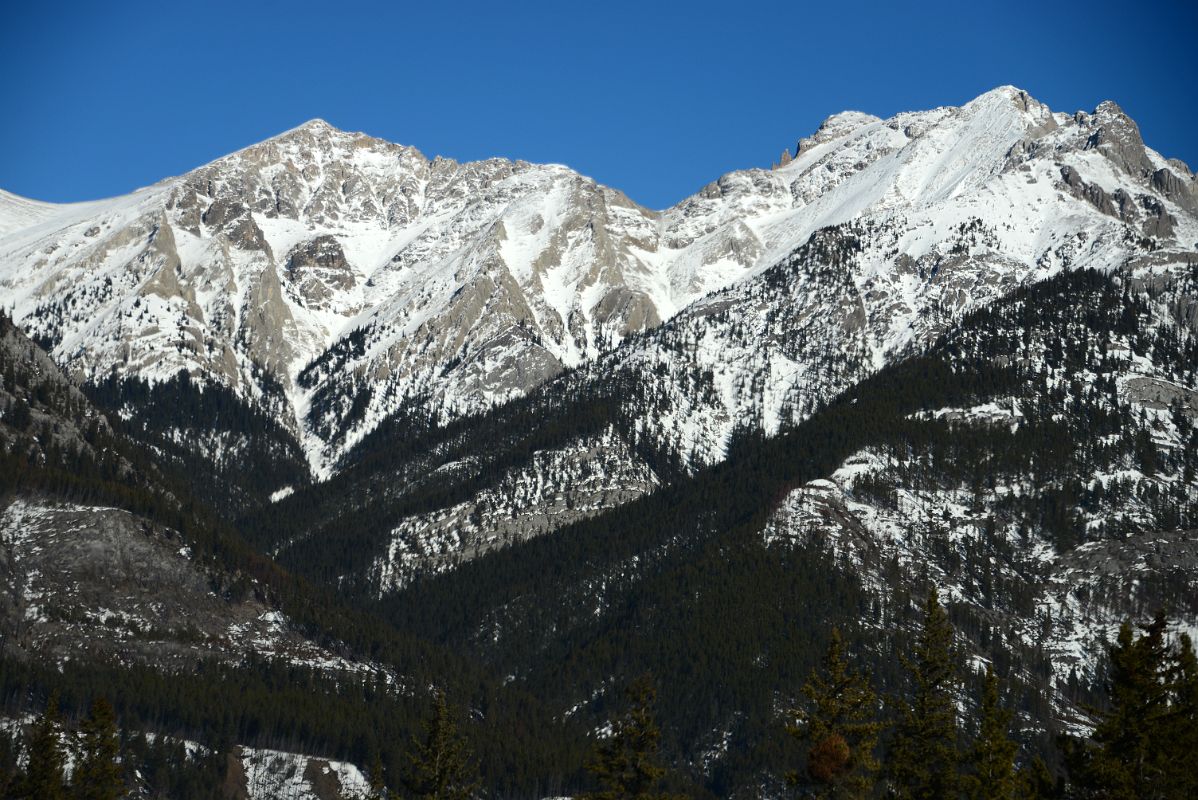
[
  {"x": 1051, "y": 552},
  {"x": 359, "y": 276},
  {"x": 99, "y": 583},
  {"x": 552, "y": 490},
  {"x": 317, "y": 271},
  {"x": 870, "y": 246}
]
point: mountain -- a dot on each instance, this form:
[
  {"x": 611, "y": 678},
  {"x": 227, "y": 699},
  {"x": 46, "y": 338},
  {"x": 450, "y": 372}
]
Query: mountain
[
  {"x": 345, "y": 275},
  {"x": 340, "y": 277},
  {"x": 1037, "y": 464},
  {"x": 496, "y": 426},
  {"x": 944, "y": 212}
]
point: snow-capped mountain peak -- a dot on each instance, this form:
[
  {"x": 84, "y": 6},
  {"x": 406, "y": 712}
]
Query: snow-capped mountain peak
[{"x": 345, "y": 276}]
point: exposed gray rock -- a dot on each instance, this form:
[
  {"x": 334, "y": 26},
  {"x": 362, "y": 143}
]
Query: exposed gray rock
[
  {"x": 1176, "y": 189},
  {"x": 1118, "y": 136},
  {"x": 318, "y": 270}
]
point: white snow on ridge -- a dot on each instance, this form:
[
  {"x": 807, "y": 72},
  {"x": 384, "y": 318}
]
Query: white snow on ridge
[{"x": 473, "y": 283}]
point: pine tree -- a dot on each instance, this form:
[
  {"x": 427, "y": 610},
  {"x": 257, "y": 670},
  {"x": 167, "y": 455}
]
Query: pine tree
[
  {"x": 441, "y": 766},
  {"x": 98, "y": 776},
  {"x": 839, "y": 728},
  {"x": 378, "y": 787},
  {"x": 1180, "y": 729},
  {"x": 1036, "y": 781},
  {"x": 1126, "y": 762},
  {"x": 8, "y": 759},
  {"x": 924, "y": 758},
  {"x": 43, "y": 779},
  {"x": 627, "y": 763},
  {"x": 991, "y": 759}
]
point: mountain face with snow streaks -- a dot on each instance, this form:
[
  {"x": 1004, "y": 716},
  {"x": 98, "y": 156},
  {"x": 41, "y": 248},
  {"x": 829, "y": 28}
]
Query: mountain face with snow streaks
[
  {"x": 348, "y": 276},
  {"x": 333, "y": 281}
]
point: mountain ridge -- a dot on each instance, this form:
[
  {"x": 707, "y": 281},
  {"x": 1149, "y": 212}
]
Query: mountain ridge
[{"x": 359, "y": 275}]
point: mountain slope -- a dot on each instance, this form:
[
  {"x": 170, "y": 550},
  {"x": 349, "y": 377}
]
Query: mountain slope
[
  {"x": 1038, "y": 464},
  {"x": 115, "y": 582},
  {"x": 954, "y": 347},
  {"x": 948, "y": 211}
]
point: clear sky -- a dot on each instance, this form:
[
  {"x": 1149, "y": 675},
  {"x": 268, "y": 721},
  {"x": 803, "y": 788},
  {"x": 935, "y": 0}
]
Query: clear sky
[{"x": 655, "y": 98}]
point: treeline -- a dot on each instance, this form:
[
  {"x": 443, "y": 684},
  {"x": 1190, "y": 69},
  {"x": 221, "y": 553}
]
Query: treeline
[
  {"x": 682, "y": 585},
  {"x": 932, "y": 742},
  {"x": 935, "y": 742},
  {"x": 367, "y": 719},
  {"x": 258, "y": 703}
]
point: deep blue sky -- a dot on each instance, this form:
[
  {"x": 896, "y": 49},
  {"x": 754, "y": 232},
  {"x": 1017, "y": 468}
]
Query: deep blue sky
[{"x": 654, "y": 98}]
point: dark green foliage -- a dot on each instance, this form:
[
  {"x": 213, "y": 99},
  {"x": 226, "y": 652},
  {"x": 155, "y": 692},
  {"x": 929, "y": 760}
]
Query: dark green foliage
[
  {"x": 304, "y": 710},
  {"x": 8, "y": 763},
  {"x": 685, "y": 570},
  {"x": 43, "y": 778},
  {"x": 378, "y": 783},
  {"x": 627, "y": 762},
  {"x": 1129, "y": 759},
  {"x": 839, "y": 728},
  {"x": 680, "y": 583},
  {"x": 1141, "y": 747},
  {"x": 98, "y": 775},
  {"x": 1037, "y": 781},
  {"x": 168, "y": 769},
  {"x": 924, "y": 760},
  {"x": 19, "y": 415},
  {"x": 232, "y": 454},
  {"x": 440, "y": 766},
  {"x": 1180, "y": 729},
  {"x": 991, "y": 773},
  {"x": 265, "y": 704}
]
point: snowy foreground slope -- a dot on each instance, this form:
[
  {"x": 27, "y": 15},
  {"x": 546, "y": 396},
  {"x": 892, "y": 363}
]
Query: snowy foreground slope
[{"x": 345, "y": 276}]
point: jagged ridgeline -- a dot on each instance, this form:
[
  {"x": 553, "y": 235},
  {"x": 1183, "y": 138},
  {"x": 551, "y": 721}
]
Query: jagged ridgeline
[
  {"x": 333, "y": 280},
  {"x": 326, "y": 418}
]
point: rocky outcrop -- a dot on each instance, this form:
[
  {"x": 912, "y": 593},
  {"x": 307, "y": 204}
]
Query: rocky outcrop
[
  {"x": 1118, "y": 137},
  {"x": 1168, "y": 184},
  {"x": 317, "y": 271},
  {"x": 1156, "y": 222}
]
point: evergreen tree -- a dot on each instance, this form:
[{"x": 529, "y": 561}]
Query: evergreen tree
[
  {"x": 441, "y": 766},
  {"x": 98, "y": 775},
  {"x": 378, "y": 787},
  {"x": 1128, "y": 757},
  {"x": 43, "y": 779},
  {"x": 991, "y": 759},
  {"x": 627, "y": 763},
  {"x": 1036, "y": 781},
  {"x": 839, "y": 729},
  {"x": 1181, "y": 729},
  {"x": 924, "y": 758},
  {"x": 8, "y": 763}
]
